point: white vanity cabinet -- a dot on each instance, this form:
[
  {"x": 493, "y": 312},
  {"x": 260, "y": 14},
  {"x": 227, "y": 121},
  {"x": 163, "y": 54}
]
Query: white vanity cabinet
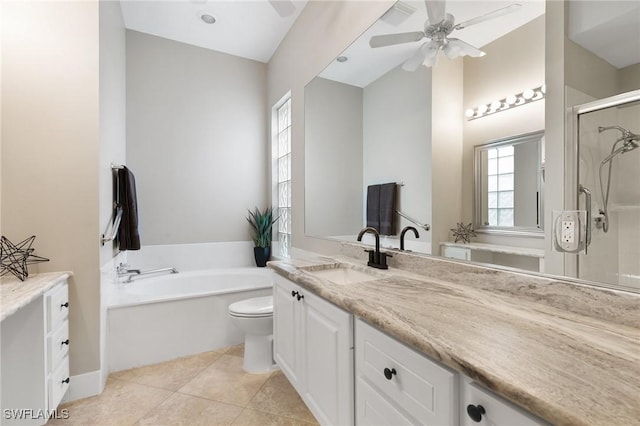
[
  {"x": 482, "y": 407},
  {"x": 313, "y": 345},
  {"x": 397, "y": 385},
  {"x": 35, "y": 358}
]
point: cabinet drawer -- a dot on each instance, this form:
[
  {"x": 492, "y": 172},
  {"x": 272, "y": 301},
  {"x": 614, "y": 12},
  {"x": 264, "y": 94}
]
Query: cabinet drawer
[
  {"x": 373, "y": 409},
  {"x": 58, "y": 383},
  {"x": 57, "y": 302},
  {"x": 58, "y": 345},
  {"x": 497, "y": 411},
  {"x": 427, "y": 391}
]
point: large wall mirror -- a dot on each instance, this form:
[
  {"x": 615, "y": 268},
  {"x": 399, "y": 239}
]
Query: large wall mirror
[
  {"x": 369, "y": 121},
  {"x": 509, "y": 185}
]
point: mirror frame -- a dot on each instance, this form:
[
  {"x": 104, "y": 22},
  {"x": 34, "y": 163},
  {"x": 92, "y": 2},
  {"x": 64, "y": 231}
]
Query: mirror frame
[{"x": 537, "y": 231}]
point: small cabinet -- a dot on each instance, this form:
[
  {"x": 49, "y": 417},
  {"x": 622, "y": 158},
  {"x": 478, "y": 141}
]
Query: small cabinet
[
  {"x": 395, "y": 384},
  {"x": 313, "y": 345},
  {"x": 481, "y": 407},
  {"x": 34, "y": 372}
]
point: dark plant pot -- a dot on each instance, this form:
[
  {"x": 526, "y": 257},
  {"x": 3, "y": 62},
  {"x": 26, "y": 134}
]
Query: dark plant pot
[{"x": 262, "y": 255}]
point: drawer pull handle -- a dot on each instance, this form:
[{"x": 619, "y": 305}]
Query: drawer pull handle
[
  {"x": 66, "y": 380},
  {"x": 65, "y": 342},
  {"x": 65, "y": 305},
  {"x": 300, "y": 296},
  {"x": 475, "y": 412},
  {"x": 389, "y": 373},
  {"x": 294, "y": 293}
]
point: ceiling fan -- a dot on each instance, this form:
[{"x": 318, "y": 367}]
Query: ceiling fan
[{"x": 438, "y": 26}]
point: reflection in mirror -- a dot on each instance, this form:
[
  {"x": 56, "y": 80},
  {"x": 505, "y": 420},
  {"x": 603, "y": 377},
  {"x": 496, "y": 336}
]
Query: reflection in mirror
[{"x": 509, "y": 184}]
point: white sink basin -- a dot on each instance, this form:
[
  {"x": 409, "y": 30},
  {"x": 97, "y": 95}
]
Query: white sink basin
[{"x": 343, "y": 274}]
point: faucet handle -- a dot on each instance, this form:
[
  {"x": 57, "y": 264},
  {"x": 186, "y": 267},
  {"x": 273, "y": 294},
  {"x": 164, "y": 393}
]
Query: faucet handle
[
  {"x": 371, "y": 255},
  {"x": 383, "y": 258}
]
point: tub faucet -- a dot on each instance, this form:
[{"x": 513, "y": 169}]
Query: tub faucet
[
  {"x": 404, "y": 231},
  {"x": 377, "y": 259},
  {"x": 123, "y": 270}
]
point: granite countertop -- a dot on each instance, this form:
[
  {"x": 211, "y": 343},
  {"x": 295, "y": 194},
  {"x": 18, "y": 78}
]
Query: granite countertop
[
  {"x": 567, "y": 353},
  {"x": 16, "y": 294}
]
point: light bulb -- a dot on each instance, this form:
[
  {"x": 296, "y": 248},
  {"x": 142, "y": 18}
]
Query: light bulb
[
  {"x": 543, "y": 88},
  {"x": 469, "y": 113},
  {"x": 528, "y": 94},
  {"x": 495, "y": 105},
  {"x": 511, "y": 99},
  {"x": 482, "y": 109}
]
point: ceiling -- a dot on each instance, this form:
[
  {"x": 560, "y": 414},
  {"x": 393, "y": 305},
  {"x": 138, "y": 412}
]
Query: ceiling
[
  {"x": 250, "y": 29},
  {"x": 366, "y": 64}
]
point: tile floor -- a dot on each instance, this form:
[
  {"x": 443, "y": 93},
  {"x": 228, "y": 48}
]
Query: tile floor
[{"x": 206, "y": 389}]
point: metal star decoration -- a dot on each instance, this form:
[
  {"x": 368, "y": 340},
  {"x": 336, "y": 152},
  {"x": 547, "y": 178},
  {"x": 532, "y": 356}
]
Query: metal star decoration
[
  {"x": 463, "y": 232},
  {"x": 14, "y": 258}
]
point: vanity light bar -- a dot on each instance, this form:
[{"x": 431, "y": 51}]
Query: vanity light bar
[{"x": 512, "y": 101}]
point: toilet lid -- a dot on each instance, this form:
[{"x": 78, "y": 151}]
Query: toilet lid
[{"x": 256, "y": 307}]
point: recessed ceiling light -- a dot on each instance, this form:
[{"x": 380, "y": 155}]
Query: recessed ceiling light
[
  {"x": 342, "y": 59},
  {"x": 207, "y": 18}
]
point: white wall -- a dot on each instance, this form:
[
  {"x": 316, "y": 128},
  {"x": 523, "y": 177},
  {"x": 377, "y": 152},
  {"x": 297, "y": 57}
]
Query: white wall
[
  {"x": 397, "y": 141},
  {"x": 333, "y": 125},
  {"x": 50, "y": 151},
  {"x": 321, "y": 32},
  {"x": 196, "y": 140}
]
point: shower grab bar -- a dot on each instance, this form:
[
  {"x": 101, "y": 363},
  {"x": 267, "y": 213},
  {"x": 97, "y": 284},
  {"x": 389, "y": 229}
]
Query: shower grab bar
[
  {"x": 587, "y": 205},
  {"x": 424, "y": 226}
]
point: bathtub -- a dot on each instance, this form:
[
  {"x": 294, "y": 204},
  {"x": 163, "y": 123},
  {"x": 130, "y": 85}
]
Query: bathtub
[{"x": 155, "y": 319}]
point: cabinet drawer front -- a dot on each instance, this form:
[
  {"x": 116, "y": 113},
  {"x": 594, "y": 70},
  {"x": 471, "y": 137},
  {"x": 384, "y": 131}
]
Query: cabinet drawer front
[
  {"x": 57, "y": 306},
  {"x": 373, "y": 409},
  {"x": 423, "y": 388},
  {"x": 58, "y": 343},
  {"x": 58, "y": 383},
  {"x": 497, "y": 411}
]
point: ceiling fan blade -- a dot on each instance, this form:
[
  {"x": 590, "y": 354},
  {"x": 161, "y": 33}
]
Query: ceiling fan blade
[
  {"x": 284, "y": 8},
  {"x": 427, "y": 52},
  {"x": 456, "y": 48},
  {"x": 435, "y": 10},
  {"x": 487, "y": 16},
  {"x": 390, "y": 39}
]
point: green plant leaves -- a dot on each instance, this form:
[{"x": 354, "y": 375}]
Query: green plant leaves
[{"x": 261, "y": 223}]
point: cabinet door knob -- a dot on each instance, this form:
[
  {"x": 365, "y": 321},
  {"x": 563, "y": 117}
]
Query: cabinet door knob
[
  {"x": 389, "y": 373},
  {"x": 65, "y": 342},
  {"x": 300, "y": 296},
  {"x": 65, "y": 305},
  {"x": 475, "y": 412},
  {"x": 66, "y": 380},
  {"x": 294, "y": 293}
]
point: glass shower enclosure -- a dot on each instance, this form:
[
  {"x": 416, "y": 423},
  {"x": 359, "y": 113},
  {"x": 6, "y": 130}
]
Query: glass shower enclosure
[{"x": 606, "y": 169}]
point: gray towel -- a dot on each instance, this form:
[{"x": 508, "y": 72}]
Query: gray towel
[
  {"x": 381, "y": 208},
  {"x": 128, "y": 236}
]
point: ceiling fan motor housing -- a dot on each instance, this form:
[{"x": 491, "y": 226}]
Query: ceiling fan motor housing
[{"x": 440, "y": 30}]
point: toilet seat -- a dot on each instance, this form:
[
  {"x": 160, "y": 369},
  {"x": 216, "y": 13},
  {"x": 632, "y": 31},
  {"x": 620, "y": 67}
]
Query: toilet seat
[{"x": 256, "y": 307}]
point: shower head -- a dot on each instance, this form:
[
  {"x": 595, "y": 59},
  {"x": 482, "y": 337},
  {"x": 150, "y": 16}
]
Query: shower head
[{"x": 629, "y": 140}]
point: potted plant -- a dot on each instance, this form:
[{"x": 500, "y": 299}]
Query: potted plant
[{"x": 261, "y": 223}]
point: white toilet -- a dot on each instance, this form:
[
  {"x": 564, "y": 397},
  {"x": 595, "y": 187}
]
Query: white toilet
[{"x": 255, "y": 318}]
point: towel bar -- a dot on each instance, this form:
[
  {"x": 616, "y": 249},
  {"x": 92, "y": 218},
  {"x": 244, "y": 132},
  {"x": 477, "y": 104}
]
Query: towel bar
[{"x": 114, "y": 229}]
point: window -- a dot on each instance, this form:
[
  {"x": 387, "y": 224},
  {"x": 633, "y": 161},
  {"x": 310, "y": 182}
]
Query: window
[
  {"x": 500, "y": 185},
  {"x": 282, "y": 172}
]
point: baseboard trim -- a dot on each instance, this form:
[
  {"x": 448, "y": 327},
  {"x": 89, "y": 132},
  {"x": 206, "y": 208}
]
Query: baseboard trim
[{"x": 84, "y": 385}]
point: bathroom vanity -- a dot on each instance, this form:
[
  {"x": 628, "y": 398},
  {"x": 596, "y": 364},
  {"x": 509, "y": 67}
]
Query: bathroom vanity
[
  {"x": 443, "y": 343},
  {"x": 34, "y": 371}
]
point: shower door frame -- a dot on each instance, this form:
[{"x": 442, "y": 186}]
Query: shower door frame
[{"x": 571, "y": 166}]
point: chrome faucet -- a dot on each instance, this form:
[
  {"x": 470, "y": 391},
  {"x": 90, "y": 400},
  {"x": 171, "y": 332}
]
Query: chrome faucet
[
  {"x": 404, "y": 231},
  {"x": 377, "y": 259}
]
